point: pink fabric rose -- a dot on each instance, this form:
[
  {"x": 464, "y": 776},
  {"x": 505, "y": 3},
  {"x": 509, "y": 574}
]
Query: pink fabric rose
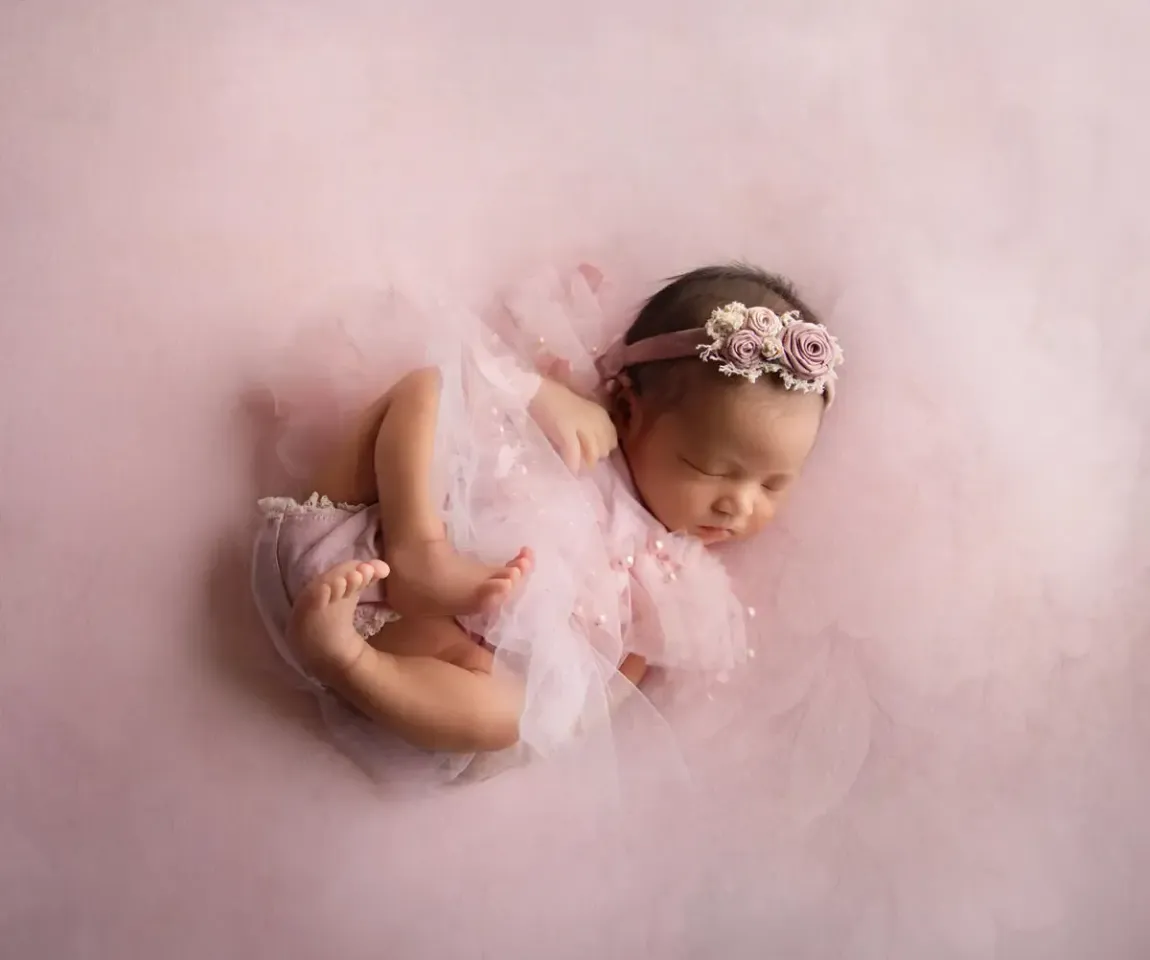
[
  {"x": 758, "y": 320},
  {"x": 742, "y": 349},
  {"x": 807, "y": 350}
]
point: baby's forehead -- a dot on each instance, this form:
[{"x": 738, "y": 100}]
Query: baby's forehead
[
  {"x": 755, "y": 423},
  {"x": 746, "y": 439}
]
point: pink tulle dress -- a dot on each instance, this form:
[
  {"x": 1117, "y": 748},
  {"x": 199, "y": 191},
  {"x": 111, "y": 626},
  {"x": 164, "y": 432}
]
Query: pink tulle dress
[{"x": 609, "y": 578}]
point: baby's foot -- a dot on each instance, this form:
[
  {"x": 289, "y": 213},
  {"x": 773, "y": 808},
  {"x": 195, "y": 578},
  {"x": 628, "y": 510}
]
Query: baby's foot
[
  {"x": 431, "y": 579},
  {"x": 322, "y": 630}
]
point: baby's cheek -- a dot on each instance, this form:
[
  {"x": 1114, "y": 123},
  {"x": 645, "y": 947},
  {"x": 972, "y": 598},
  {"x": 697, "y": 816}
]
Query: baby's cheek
[
  {"x": 702, "y": 498},
  {"x": 685, "y": 501},
  {"x": 764, "y": 513}
]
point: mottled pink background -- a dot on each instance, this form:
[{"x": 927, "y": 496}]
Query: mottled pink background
[{"x": 184, "y": 184}]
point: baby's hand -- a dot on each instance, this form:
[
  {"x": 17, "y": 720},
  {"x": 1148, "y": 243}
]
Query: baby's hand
[{"x": 579, "y": 429}]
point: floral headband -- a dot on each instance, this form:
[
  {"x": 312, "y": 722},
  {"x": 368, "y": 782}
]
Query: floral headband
[{"x": 746, "y": 342}]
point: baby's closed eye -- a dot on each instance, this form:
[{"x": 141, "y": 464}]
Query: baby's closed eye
[
  {"x": 707, "y": 470},
  {"x": 775, "y": 483}
]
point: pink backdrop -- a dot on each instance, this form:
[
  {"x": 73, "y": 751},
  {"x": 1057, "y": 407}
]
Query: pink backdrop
[{"x": 183, "y": 185}]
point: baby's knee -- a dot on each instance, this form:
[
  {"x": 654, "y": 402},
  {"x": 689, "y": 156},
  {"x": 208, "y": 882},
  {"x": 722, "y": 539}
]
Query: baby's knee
[
  {"x": 497, "y": 733},
  {"x": 496, "y": 725}
]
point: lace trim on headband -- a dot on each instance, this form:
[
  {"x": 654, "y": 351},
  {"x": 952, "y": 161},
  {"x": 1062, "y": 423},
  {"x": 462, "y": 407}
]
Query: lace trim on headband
[{"x": 751, "y": 341}]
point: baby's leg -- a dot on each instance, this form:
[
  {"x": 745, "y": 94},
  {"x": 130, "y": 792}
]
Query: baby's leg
[
  {"x": 430, "y": 683},
  {"x": 429, "y": 578}
]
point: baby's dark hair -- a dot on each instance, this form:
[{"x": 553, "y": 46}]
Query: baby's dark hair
[{"x": 689, "y": 300}]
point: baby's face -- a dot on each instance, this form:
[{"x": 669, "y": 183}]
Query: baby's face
[{"x": 717, "y": 464}]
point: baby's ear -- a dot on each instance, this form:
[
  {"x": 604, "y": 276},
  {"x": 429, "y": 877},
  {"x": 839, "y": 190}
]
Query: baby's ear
[{"x": 624, "y": 406}]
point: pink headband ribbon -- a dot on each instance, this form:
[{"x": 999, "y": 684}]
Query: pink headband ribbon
[{"x": 746, "y": 342}]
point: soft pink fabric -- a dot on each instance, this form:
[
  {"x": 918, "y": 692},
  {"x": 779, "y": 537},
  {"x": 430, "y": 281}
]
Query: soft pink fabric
[{"x": 941, "y": 749}]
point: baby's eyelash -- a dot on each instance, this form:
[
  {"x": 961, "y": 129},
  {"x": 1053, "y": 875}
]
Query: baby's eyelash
[{"x": 698, "y": 469}]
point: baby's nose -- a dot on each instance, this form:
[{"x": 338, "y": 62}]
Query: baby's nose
[{"x": 735, "y": 504}]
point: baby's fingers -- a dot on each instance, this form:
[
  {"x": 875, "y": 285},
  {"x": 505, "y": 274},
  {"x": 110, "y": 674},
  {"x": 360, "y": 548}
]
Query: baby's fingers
[
  {"x": 608, "y": 438},
  {"x": 602, "y": 440},
  {"x": 597, "y": 446},
  {"x": 589, "y": 450},
  {"x": 571, "y": 452}
]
